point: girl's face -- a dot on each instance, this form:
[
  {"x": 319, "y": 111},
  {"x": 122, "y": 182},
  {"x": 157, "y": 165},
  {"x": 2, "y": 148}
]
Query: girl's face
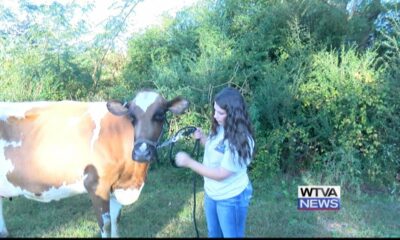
[{"x": 219, "y": 114}]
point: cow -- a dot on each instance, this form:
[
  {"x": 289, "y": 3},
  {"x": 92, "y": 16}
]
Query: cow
[{"x": 54, "y": 150}]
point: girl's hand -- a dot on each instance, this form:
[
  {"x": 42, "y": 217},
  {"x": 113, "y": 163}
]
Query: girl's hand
[
  {"x": 182, "y": 159},
  {"x": 198, "y": 134}
]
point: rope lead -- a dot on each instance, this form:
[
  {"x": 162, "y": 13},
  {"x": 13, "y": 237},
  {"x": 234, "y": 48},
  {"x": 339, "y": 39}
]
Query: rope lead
[{"x": 186, "y": 131}]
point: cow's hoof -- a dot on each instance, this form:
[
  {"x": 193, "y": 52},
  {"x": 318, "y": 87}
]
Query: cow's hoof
[
  {"x": 3, "y": 234},
  {"x": 115, "y": 236}
]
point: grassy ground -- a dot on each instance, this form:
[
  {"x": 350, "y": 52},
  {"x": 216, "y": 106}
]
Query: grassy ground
[{"x": 164, "y": 209}]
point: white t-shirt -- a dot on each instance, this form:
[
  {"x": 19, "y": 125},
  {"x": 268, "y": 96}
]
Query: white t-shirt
[{"x": 218, "y": 154}]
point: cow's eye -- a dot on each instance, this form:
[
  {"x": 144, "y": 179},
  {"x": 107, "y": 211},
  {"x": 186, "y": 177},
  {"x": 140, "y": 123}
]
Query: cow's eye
[
  {"x": 133, "y": 119},
  {"x": 160, "y": 116}
]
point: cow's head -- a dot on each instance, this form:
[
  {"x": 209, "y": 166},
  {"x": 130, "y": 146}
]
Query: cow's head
[{"x": 147, "y": 114}]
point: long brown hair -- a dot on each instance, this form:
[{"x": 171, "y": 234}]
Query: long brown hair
[{"x": 237, "y": 125}]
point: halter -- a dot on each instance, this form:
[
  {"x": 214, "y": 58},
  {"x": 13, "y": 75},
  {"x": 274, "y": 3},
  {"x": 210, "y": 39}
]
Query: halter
[
  {"x": 154, "y": 144},
  {"x": 183, "y": 132}
]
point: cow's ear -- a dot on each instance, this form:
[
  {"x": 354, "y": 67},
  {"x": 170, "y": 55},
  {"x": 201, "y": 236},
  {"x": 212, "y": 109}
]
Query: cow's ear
[
  {"x": 118, "y": 108},
  {"x": 178, "y": 105}
]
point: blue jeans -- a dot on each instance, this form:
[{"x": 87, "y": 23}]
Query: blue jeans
[{"x": 227, "y": 217}]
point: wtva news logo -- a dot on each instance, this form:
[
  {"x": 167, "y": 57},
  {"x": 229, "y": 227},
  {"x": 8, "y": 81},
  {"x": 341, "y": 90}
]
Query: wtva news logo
[{"x": 318, "y": 198}]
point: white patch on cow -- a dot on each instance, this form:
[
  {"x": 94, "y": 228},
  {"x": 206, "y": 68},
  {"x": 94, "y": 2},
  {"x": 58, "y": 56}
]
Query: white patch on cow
[
  {"x": 145, "y": 99},
  {"x": 143, "y": 147},
  {"x": 127, "y": 196},
  {"x": 115, "y": 208},
  {"x": 97, "y": 110},
  {"x": 6, "y": 166},
  {"x": 18, "y": 110},
  {"x": 106, "y": 225},
  {"x": 73, "y": 121},
  {"x": 57, "y": 193}
]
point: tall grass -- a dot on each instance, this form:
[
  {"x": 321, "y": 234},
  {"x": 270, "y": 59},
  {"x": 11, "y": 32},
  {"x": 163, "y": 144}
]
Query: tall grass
[{"x": 164, "y": 209}]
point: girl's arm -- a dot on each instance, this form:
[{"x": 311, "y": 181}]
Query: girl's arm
[{"x": 182, "y": 159}]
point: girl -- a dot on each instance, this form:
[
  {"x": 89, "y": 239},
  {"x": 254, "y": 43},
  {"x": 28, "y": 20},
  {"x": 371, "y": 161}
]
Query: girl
[{"x": 228, "y": 152}]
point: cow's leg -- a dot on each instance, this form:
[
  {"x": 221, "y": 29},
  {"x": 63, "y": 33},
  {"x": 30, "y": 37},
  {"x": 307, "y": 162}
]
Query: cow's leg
[
  {"x": 115, "y": 211},
  {"x": 102, "y": 209},
  {"x": 99, "y": 194},
  {"x": 3, "y": 229}
]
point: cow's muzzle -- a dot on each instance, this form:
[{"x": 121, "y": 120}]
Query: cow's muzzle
[{"x": 144, "y": 151}]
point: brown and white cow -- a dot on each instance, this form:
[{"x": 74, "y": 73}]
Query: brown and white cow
[{"x": 53, "y": 150}]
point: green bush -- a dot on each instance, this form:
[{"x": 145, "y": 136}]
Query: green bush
[{"x": 343, "y": 105}]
